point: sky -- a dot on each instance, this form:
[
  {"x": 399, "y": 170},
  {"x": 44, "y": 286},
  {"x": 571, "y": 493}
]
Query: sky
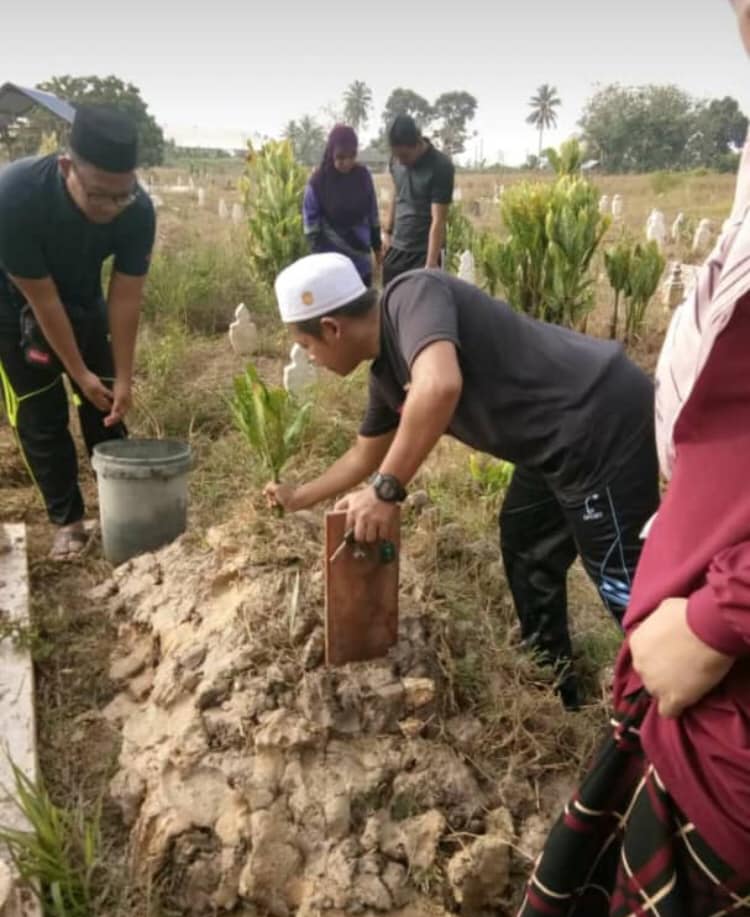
[{"x": 214, "y": 73}]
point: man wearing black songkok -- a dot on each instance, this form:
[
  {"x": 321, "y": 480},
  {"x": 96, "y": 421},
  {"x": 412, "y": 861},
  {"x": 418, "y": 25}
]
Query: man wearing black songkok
[{"x": 61, "y": 218}]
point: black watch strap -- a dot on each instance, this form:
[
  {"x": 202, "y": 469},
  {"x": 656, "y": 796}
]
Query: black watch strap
[{"x": 388, "y": 488}]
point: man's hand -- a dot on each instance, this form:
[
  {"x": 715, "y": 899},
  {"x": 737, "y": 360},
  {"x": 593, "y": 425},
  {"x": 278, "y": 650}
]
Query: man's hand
[
  {"x": 281, "y": 495},
  {"x": 121, "y": 403},
  {"x": 95, "y": 391},
  {"x": 368, "y": 517},
  {"x": 676, "y": 667}
]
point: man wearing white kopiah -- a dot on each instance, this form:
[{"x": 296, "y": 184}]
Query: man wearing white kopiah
[{"x": 573, "y": 413}]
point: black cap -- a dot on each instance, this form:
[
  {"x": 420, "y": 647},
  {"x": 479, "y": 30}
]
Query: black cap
[{"x": 105, "y": 138}]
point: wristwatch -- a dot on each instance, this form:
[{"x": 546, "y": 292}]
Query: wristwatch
[{"x": 388, "y": 488}]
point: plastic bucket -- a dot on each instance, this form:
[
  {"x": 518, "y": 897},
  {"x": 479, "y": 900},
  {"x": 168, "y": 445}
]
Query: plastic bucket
[{"x": 143, "y": 494}]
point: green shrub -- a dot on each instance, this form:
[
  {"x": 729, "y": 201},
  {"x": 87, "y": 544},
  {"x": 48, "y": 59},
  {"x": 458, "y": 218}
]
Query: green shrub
[
  {"x": 272, "y": 188},
  {"x": 634, "y": 272},
  {"x": 663, "y": 182},
  {"x": 199, "y": 285},
  {"x": 460, "y": 236}
]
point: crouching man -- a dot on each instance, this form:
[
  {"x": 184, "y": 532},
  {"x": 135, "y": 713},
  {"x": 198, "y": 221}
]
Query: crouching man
[{"x": 572, "y": 412}]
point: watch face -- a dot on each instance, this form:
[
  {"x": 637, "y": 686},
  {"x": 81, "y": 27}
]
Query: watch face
[{"x": 387, "y": 490}]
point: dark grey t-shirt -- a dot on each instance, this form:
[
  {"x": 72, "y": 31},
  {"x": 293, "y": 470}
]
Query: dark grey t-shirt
[
  {"x": 571, "y": 406},
  {"x": 44, "y": 234},
  {"x": 429, "y": 181}
]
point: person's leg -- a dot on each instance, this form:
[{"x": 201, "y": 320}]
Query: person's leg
[
  {"x": 538, "y": 549},
  {"x": 608, "y": 521},
  {"x": 37, "y": 409},
  {"x": 397, "y": 262}
]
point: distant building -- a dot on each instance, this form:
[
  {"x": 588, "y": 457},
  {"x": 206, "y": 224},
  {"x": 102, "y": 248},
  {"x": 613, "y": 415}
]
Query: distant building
[{"x": 376, "y": 160}]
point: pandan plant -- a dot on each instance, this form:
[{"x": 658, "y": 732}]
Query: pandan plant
[
  {"x": 617, "y": 264},
  {"x": 491, "y": 475},
  {"x": 272, "y": 188},
  {"x": 270, "y": 419},
  {"x": 459, "y": 237},
  {"x": 646, "y": 268}
]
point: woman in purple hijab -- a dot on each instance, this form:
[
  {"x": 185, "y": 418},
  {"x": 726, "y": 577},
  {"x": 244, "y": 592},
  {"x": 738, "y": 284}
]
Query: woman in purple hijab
[{"x": 340, "y": 210}]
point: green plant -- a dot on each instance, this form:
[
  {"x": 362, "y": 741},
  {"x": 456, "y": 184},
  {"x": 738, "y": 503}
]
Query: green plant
[
  {"x": 460, "y": 236},
  {"x": 617, "y": 264},
  {"x": 568, "y": 160},
  {"x": 492, "y": 476},
  {"x": 270, "y": 419},
  {"x": 58, "y": 858},
  {"x": 544, "y": 264},
  {"x": 272, "y": 188},
  {"x": 646, "y": 267},
  {"x": 488, "y": 248}
]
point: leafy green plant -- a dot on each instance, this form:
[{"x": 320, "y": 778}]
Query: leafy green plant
[
  {"x": 488, "y": 252},
  {"x": 568, "y": 160},
  {"x": 544, "y": 265},
  {"x": 272, "y": 188},
  {"x": 58, "y": 858},
  {"x": 270, "y": 419},
  {"x": 617, "y": 264},
  {"x": 646, "y": 268},
  {"x": 492, "y": 476}
]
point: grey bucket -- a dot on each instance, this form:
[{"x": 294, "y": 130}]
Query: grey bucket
[{"x": 143, "y": 494}]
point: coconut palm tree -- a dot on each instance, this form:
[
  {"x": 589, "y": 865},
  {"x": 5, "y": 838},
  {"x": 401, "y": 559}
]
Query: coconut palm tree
[
  {"x": 308, "y": 139},
  {"x": 357, "y": 104},
  {"x": 543, "y": 114}
]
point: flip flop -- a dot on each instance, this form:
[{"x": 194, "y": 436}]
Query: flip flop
[{"x": 69, "y": 544}]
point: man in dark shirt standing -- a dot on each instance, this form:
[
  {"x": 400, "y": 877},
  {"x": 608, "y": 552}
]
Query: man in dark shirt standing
[
  {"x": 60, "y": 219},
  {"x": 414, "y": 234},
  {"x": 572, "y": 412}
]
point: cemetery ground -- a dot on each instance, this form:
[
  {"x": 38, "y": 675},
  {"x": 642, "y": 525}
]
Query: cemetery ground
[{"x": 181, "y": 703}]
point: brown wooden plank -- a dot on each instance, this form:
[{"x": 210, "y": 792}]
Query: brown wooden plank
[{"x": 361, "y": 598}]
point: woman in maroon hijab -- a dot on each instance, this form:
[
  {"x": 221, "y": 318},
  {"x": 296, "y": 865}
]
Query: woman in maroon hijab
[{"x": 661, "y": 823}]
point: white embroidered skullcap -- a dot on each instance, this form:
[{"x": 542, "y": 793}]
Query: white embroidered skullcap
[{"x": 317, "y": 285}]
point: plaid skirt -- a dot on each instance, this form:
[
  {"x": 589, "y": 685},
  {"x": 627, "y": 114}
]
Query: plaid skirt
[{"x": 622, "y": 848}]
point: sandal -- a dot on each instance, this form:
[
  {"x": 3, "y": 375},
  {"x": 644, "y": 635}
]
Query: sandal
[{"x": 69, "y": 543}]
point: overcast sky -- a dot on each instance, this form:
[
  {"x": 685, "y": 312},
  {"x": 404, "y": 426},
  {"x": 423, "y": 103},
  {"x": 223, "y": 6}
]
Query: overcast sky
[{"x": 215, "y": 72}]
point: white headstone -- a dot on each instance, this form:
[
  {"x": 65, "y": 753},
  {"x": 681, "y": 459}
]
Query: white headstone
[
  {"x": 458, "y": 195},
  {"x": 191, "y": 183},
  {"x": 300, "y": 372},
  {"x": 673, "y": 292},
  {"x": 243, "y": 335},
  {"x": 223, "y": 210},
  {"x": 604, "y": 204},
  {"x": 157, "y": 201},
  {"x": 677, "y": 227},
  {"x": 467, "y": 268},
  {"x": 201, "y": 197},
  {"x": 656, "y": 228},
  {"x": 618, "y": 207},
  {"x": 238, "y": 214},
  {"x": 702, "y": 238}
]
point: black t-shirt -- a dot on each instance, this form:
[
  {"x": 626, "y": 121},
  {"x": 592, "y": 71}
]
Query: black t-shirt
[
  {"x": 429, "y": 181},
  {"x": 570, "y": 406},
  {"x": 44, "y": 234}
]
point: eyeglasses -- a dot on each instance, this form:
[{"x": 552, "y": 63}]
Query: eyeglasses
[{"x": 103, "y": 198}]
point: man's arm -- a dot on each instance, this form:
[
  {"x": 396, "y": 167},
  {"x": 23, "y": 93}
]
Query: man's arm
[
  {"x": 436, "y": 384},
  {"x": 437, "y": 234},
  {"x": 42, "y": 296},
  {"x": 124, "y": 308},
  {"x": 354, "y": 466},
  {"x": 390, "y": 220}
]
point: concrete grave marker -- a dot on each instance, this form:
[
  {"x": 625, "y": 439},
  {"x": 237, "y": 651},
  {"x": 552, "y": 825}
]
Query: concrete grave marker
[
  {"x": 673, "y": 291},
  {"x": 300, "y": 372},
  {"x": 243, "y": 334},
  {"x": 678, "y": 226},
  {"x": 656, "y": 228},
  {"x": 467, "y": 268},
  {"x": 618, "y": 207},
  {"x": 223, "y": 210}
]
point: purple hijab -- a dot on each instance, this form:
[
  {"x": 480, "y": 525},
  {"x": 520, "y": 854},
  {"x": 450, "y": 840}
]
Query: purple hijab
[{"x": 344, "y": 199}]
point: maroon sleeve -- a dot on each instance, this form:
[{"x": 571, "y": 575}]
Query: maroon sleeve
[{"x": 719, "y": 613}]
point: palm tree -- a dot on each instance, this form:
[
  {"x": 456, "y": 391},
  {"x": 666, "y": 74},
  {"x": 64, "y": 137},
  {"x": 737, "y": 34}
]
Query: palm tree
[
  {"x": 308, "y": 139},
  {"x": 357, "y": 104},
  {"x": 543, "y": 114}
]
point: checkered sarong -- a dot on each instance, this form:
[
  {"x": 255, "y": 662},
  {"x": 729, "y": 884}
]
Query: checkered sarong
[{"x": 622, "y": 848}]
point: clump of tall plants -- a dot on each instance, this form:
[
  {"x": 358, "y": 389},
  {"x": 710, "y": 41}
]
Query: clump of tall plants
[
  {"x": 634, "y": 271},
  {"x": 272, "y": 188},
  {"x": 544, "y": 264}
]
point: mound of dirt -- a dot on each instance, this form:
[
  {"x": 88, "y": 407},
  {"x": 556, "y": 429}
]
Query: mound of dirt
[{"x": 251, "y": 775}]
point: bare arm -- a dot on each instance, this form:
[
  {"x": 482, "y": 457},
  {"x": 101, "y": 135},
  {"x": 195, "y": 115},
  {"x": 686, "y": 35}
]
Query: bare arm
[
  {"x": 437, "y": 234},
  {"x": 124, "y": 306},
  {"x": 435, "y": 390},
  {"x": 351, "y": 469}
]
